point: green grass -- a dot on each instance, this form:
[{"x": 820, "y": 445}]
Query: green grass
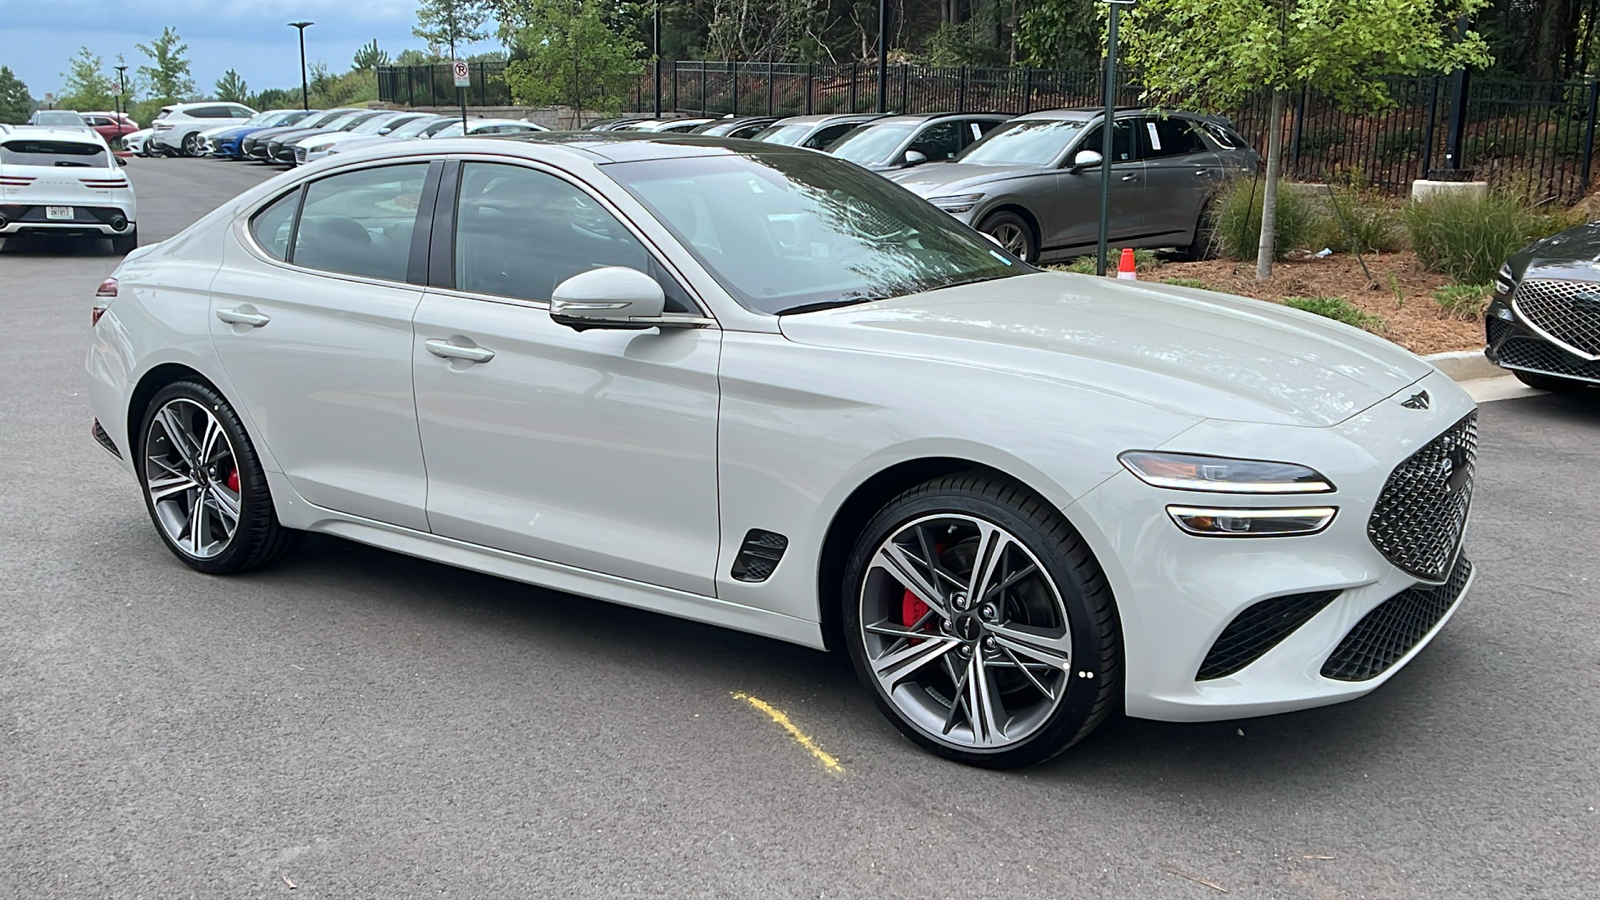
[
  {"x": 1464, "y": 301},
  {"x": 1144, "y": 262},
  {"x": 1339, "y": 310},
  {"x": 1187, "y": 282}
]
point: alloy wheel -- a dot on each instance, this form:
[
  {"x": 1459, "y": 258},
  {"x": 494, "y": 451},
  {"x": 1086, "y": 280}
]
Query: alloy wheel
[
  {"x": 965, "y": 633},
  {"x": 1012, "y": 238},
  {"x": 192, "y": 478}
]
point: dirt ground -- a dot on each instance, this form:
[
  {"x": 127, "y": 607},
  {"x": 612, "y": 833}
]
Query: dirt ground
[{"x": 1402, "y": 297}]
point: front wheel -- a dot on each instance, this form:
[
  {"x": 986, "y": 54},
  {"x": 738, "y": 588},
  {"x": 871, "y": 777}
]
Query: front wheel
[
  {"x": 204, "y": 487},
  {"x": 981, "y": 623},
  {"x": 1013, "y": 233}
]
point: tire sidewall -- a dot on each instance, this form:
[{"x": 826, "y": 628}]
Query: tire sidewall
[
  {"x": 994, "y": 219},
  {"x": 1067, "y": 721}
]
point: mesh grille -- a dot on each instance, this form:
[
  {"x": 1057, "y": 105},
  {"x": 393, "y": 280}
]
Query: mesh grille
[
  {"x": 1494, "y": 329},
  {"x": 759, "y": 555},
  {"x": 1393, "y": 628},
  {"x": 1568, "y": 311},
  {"x": 1418, "y": 519},
  {"x": 1258, "y": 629},
  {"x": 1538, "y": 356}
]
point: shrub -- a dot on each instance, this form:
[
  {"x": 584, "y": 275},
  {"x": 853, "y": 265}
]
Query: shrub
[
  {"x": 1238, "y": 217},
  {"x": 1398, "y": 144},
  {"x": 1468, "y": 237},
  {"x": 1464, "y": 301},
  {"x": 1339, "y": 310},
  {"x": 1317, "y": 142},
  {"x": 1361, "y": 222},
  {"x": 1144, "y": 262}
]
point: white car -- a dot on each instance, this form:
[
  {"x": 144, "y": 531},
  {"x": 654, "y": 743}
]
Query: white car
[
  {"x": 58, "y": 119},
  {"x": 136, "y": 142},
  {"x": 424, "y": 126},
  {"x": 314, "y": 148},
  {"x": 65, "y": 182},
  {"x": 489, "y": 126},
  {"x": 176, "y": 131},
  {"x": 761, "y": 387}
]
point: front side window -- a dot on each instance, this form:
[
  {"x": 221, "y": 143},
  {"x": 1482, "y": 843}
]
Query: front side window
[
  {"x": 1122, "y": 141},
  {"x": 784, "y": 232},
  {"x": 360, "y": 223},
  {"x": 520, "y": 232},
  {"x": 941, "y": 141},
  {"x": 826, "y": 136}
]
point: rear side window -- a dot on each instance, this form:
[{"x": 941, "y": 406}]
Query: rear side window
[
  {"x": 360, "y": 223},
  {"x": 274, "y": 226},
  {"x": 1169, "y": 137},
  {"x": 66, "y": 154},
  {"x": 825, "y": 137}
]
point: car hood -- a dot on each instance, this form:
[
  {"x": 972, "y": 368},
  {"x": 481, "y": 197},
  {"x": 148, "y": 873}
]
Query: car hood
[
  {"x": 1572, "y": 254},
  {"x": 944, "y": 178},
  {"x": 1194, "y": 353}
]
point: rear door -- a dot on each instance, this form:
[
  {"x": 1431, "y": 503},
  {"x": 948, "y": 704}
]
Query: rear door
[{"x": 1180, "y": 172}]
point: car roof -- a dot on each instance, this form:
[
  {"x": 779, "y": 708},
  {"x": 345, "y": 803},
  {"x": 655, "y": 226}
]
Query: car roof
[
  {"x": 929, "y": 117},
  {"x": 598, "y": 146},
  {"x": 824, "y": 118}
]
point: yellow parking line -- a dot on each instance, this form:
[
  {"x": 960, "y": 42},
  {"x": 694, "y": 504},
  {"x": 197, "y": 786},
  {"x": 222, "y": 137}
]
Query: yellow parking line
[{"x": 800, "y": 737}]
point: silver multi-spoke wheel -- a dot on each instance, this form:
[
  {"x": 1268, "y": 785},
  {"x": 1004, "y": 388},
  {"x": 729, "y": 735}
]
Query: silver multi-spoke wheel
[
  {"x": 965, "y": 632},
  {"x": 1013, "y": 238},
  {"x": 192, "y": 477}
]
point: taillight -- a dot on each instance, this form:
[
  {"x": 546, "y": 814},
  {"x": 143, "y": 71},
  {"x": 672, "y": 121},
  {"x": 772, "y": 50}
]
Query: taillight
[
  {"x": 107, "y": 288},
  {"x": 95, "y": 314}
]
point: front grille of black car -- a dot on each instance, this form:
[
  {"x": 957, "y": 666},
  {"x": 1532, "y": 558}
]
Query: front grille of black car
[
  {"x": 1394, "y": 627},
  {"x": 1494, "y": 329},
  {"x": 1258, "y": 629},
  {"x": 1538, "y": 356},
  {"x": 1422, "y": 511},
  {"x": 1567, "y": 311}
]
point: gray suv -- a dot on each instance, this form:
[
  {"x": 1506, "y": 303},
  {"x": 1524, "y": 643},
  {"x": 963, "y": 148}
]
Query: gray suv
[{"x": 1033, "y": 183}]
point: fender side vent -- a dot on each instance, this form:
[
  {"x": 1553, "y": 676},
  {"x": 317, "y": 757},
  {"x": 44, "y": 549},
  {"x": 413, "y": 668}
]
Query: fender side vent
[
  {"x": 104, "y": 439},
  {"x": 759, "y": 555}
]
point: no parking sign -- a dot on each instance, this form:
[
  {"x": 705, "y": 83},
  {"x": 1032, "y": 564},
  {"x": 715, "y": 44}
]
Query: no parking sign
[{"x": 463, "y": 77}]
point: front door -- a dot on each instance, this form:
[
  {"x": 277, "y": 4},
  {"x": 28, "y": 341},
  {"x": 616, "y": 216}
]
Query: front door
[
  {"x": 1076, "y": 219},
  {"x": 316, "y": 339},
  {"x": 593, "y": 449}
]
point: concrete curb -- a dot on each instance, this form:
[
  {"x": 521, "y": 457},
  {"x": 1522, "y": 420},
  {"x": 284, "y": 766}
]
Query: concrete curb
[{"x": 1465, "y": 365}]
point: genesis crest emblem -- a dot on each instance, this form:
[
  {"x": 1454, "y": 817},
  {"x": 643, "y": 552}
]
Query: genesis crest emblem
[{"x": 1419, "y": 400}]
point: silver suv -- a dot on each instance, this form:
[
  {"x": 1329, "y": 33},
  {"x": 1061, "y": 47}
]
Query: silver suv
[{"x": 1033, "y": 183}]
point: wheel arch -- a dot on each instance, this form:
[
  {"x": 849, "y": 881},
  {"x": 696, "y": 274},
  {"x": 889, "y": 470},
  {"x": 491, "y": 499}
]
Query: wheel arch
[{"x": 149, "y": 385}]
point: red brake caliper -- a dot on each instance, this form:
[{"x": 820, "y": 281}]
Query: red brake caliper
[
  {"x": 233, "y": 481},
  {"x": 912, "y": 609}
]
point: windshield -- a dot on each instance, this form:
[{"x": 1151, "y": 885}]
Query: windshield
[
  {"x": 785, "y": 232},
  {"x": 47, "y": 117},
  {"x": 414, "y": 127},
  {"x": 352, "y": 123},
  {"x": 436, "y": 127},
  {"x": 280, "y": 119},
  {"x": 873, "y": 143},
  {"x": 1023, "y": 142},
  {"x": 788, "y": 135},
  {"x": 66, "y": 154},
  {"x": 372, "y": 125},
  {"x": 335, "y": 117}
]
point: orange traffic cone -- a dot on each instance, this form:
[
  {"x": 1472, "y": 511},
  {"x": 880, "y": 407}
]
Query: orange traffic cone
[{"x": 1125, "y": 269}]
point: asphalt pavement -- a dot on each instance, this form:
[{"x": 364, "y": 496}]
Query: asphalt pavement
[{"x": 353, "y": 723}]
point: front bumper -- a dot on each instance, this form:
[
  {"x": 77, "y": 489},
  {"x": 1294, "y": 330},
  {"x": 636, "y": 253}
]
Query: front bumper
[
  {"x": 1513, "y": 343},
  {"x": 1178, "y": 594}
]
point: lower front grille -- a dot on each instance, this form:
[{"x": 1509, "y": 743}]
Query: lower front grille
[
  {"x": 1537, "y": 356},
  {"x": 1258, "y": 629},
  {"x": 1394, "y": 627}
]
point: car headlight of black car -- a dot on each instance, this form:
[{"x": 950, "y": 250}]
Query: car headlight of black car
[{"x": 1504, "y": 282}]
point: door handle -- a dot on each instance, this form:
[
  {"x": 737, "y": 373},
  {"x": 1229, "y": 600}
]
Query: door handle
[
  {"x": 243, "y": 317},
  {"x": 446, "y": 350},
  {"x": 1202, "y": 172},
  {"x": 1130, "y": 177}
]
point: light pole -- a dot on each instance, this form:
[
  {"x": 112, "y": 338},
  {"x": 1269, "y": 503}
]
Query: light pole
[
  {"x": 305, "y": 102},
  {"x": 1106, "y": 128},
  {"x": 122, "y": 88},
  {"x": 657, "y": 29},
  {"x": 883, "y": 55}
]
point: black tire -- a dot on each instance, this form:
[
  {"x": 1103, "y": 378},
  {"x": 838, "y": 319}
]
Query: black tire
[
  {"x": 1014, "y": 234},
  {"x": 1550, "y": 383},
  {"x": 1204, "y": 244},
  {"x": 259, "y": 539},
  {"x": 1091, "y": 688},
  {"x": 190, "y": 146},
  {"x": 123, "y": 244}
]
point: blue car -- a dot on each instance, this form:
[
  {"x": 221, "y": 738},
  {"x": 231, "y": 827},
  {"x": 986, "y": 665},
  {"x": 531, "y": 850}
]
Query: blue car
[{"x": 226, "y": 143}]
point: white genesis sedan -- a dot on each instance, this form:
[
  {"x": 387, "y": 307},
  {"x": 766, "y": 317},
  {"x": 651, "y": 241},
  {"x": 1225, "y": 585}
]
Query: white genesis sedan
[{"x": 763, "y": 388}]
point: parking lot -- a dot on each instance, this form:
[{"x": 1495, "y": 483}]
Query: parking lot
[{"x": 357, "y": 723}]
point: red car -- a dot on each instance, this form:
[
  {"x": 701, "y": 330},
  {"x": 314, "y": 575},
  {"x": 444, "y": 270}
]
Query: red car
[{"x": 111, "y": 125}]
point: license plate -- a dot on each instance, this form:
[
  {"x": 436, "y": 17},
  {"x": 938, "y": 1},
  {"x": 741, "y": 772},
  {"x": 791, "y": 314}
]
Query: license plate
[{"x": 59, "y": 212}]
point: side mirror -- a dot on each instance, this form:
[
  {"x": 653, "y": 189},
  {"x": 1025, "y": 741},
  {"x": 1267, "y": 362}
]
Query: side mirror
[
  {"x": 1086, "y": 159},
  {"x": 612, "y": 297},
  {"x": 120, "y": 160},
  {"x": 915, "y": 158},
  {"x": 385, "y": 130}
]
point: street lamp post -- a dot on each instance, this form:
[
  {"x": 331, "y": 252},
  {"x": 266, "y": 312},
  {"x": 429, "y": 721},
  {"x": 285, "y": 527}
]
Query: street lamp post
[
  {"x": 305, "y": 102},
  {"x": 657, "y": 30},
  {"x": 883, "y": 55},
  {"x": 122, "y": 88},
  {"x": 1106, "y": 129}
]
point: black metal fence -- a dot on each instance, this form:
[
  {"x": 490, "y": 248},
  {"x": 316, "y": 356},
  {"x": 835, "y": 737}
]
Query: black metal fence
[
  {"x": 1537, "y": 138},
  {"x": 435, "y": 85}
]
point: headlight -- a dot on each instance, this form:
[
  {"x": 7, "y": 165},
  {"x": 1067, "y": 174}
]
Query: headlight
[
  {"x": 1503, "y": 282},
  {"x": 958, "y": 203},
  {"x": 1218, "y": 474},
  {"x": 1207, "y": 522}
]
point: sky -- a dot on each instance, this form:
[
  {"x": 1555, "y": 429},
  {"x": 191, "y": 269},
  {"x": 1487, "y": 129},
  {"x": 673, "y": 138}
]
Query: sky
[{"x": 251, "y": 36}]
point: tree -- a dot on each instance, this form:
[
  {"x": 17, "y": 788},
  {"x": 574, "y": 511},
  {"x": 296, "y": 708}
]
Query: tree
[
  {"x": 1215, "y": 53},
  {"x": 231, "y": 87},
  {"x": 370, "y": 57},
  {"x": 573, "y": 54},
  {"x": 168, "y": 74},
  {"x": 86, "y": 85},
  {"x": 447, "y": 23},
  {"x": 15, "y": 101}
]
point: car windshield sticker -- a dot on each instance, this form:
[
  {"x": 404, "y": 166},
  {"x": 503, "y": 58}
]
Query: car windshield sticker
[{"x": 1155, "y": 141}]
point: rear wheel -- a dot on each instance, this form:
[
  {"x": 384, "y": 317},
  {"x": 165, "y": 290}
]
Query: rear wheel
[
  {"x": 204, "y": 487},
  {"x": 123, "y": 244},
  {"x": 1550, "y": 383},
  {"x": 1201, "y": 247},
  {"x": 981, "y": 623},
  {"x": 191, "y": 144},
  {"x": 1013, "y": 233}
]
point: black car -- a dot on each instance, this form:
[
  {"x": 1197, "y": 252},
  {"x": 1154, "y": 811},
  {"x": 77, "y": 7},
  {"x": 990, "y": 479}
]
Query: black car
[
  {"x": 1544, "y": 321},
  {"x": 900, "y": 142},
  {"x": 735, "y": 127}
]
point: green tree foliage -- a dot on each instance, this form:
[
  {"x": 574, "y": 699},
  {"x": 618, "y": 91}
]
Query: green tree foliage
[
  {"x": 444, "y": 24},
  {"x": 1215, "y": 53},
  {"x": 414, "y": 57},
  {"x": 15, "y": 101},
  {"x": 580, "y": 53},
  {"x": 86, "y": 85},
  {"x": 276, "y": 98},
  {"x": 1059, "y": 33},
  {"x": 232, "y": 88},
  {"x": 168, "y": 75},
  {"x": 370, "y": 57}
]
